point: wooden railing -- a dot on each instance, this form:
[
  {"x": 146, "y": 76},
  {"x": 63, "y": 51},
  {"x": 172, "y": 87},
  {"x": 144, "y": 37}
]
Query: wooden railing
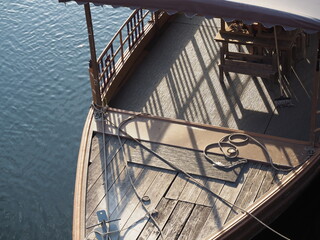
[{"x": 120, "y": 46}]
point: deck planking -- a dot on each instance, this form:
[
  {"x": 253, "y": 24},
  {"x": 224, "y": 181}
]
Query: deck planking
[
  {"x": 177, "y": 220},
  {"x": 187, "y": 71},
  {"x": 165, "y": 208}
]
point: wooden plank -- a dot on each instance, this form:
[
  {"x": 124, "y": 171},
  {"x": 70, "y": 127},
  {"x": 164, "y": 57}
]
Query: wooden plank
[
  {"x": 129, "y": 202},
  {"x": 220, "y": 210},
  {"x": 195, "y": 222},
  {"x": 177, "y": 220},
  {"x": 96, "y": 193},
  {"x": 248, "y": 56},
  {"x": 177, "y": 187},
  {"x": 285, "y": 152},
  {"x": 116, "y": 164},
  {"x": 253, "y": 41},
  {"x": 122, "y": 185},
  {"x": 206, "y": 198},
  {"x": 272, "y": 178},
  {"x": 250, "y": 188},
  {"x": 96, "y": 167},
  {"x": 249, "y": 68},
  {"x": 192, "y": 190},
  {"x": 192, "y": 162},
  {"x": 79, "y": 201},
  {"x": 137, "y": 220},
  {"x": 165, "y": 208},
  {"x": 263, "y": 67}
]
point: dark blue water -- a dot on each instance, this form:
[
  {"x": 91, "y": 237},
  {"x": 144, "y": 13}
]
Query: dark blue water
[{"x": 44, "y": 99}]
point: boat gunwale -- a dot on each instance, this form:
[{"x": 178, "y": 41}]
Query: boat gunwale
[{"x": 80, "y": 193}]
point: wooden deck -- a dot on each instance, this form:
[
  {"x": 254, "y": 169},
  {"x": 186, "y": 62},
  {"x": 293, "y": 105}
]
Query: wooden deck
[
  {"x": 179, "y": 78},
  {"x": 186, "y": 211}
]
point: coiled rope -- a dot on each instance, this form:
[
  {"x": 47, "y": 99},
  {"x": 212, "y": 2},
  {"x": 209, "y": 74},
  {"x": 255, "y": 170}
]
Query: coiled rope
[{"x": 231, "y": 141}]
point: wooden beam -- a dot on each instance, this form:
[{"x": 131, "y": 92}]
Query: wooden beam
[
  {"x": 93, "y": 66},
  {"x": 315, "y": 96},
  {"x": 283, "y": 151}
]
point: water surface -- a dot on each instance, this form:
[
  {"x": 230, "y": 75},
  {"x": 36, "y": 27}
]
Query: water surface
[{"x": 44, "y": 96}]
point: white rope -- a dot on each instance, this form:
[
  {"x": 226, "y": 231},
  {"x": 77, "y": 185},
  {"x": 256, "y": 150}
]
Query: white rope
[
  {"x": 228, "y": 203},
  {"x": 150, "y": 214},
  {"x": 104, "y": 234},
  {"x": 232, "y": 142}
]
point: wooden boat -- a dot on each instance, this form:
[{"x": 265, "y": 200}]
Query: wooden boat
[{"x": 184, "y": 139}]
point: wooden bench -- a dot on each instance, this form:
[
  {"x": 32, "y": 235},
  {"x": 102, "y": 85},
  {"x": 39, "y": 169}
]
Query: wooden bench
[
  {"x": 254, "y": 65},
  {"x": 256, "y": 62}
]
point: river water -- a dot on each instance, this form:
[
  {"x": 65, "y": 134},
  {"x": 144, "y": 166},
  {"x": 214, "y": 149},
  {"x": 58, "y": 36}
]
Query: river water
[{"x": 44, "y": 96}]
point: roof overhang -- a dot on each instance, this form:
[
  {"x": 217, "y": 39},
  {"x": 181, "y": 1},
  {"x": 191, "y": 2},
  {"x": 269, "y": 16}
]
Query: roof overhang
[{"x": 287, "y": 13}]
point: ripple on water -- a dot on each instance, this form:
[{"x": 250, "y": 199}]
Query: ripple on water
[{"x": 44, "y": 95}]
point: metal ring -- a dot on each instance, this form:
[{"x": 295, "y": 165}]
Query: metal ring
[
  {"x": 238, "y": 138},
  {"x": 145, "y": 199}
]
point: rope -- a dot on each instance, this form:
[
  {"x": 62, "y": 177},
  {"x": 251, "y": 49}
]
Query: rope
[
  {"x": 102, "y": 112},
  {"x": 233, "y": 151},
  {"x": 225, "y": 201},
  {"x": 104, "y": 234},
  {"x": 150, "y": 214}
]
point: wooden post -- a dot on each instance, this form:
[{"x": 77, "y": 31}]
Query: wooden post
[
  {"x": 93, "y": 66},
  {"x": 315, "y": 97}
]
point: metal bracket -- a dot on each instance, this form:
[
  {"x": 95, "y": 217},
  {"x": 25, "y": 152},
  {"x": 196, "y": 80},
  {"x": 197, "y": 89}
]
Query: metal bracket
[{"x": 103, "y": 219}]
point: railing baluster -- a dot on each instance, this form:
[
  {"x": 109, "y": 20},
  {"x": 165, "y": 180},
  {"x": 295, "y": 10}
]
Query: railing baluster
[
  {"x": 121, "y": 46},
  {"x": 112, "y": 63},
  {"x": 142, "y": 22},
  {"x": 128, "y": 34},
  {"x": 134, "y": 29}
]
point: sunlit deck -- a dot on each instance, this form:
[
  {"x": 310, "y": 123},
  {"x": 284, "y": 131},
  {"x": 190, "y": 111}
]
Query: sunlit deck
[{"x": 179, "y": 78}]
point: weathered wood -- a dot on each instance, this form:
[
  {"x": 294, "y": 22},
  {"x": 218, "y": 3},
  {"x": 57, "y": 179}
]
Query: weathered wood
[
  {"x": 250, "y": 187},
  {"x": 177, "y": 187},
  {"x": 93, "y": 67},
  {"x": 177, "y": 220},
  {"x": 138, "y": 218},
  {"x": 184, "y": 189},
  {"x": 272, "y": 178},
  {"x": 249, "y": 68},
  {"x": 79, "y": 202},
  {"x": 205, "y": 197},
  {"x": 192, "y": 190},
  {"x": 122, "y": 185},
  {"x": 285, "y": 152},
  {"x": 221, "y": 210},
  {"x": 195, "y": 222},
  {"x": 96, "y": 166},
  {"x": 165, "y": 208},
  {"x": 192, "y": 162},
  {"x": 129, "y": 202},
  {"x": 115, "y": 166},
  {"x": 260, "y": 41}
]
